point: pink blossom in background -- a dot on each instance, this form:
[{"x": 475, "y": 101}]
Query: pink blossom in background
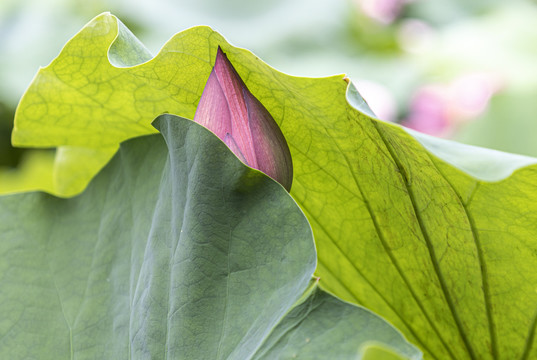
[
  {"x": 439, "y": 109},
  {"x": 471, "y": 94},
  {"x": 416, "y": 36},
  {"x": 429, "y": 111},
  {"x": 382, "y": 11}
]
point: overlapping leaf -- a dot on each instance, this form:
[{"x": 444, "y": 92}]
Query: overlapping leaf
[
  {"x": 448, "y": 256},
  {"x": 34, "y": 172},
  {"x": 175, "y": 251}
]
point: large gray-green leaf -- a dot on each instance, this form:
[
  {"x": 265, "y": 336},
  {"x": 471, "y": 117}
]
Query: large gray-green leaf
[{"x": 176, "y": 250}]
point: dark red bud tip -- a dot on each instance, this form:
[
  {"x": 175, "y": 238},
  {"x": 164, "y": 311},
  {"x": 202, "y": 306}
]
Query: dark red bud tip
[{"x": 229, "y": 110}]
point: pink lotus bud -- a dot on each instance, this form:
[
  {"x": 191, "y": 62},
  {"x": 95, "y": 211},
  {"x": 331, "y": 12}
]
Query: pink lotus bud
[{"x": 230, "y": 111}]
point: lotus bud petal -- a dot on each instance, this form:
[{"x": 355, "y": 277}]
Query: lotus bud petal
[{"x": 230, "y": 111}]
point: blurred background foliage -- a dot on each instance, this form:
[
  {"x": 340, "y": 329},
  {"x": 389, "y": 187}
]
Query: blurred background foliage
[{"x": 460, "y": 69}]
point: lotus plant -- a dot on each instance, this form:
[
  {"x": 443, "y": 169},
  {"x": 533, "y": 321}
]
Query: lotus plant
[{"x": 232, "y": 113}]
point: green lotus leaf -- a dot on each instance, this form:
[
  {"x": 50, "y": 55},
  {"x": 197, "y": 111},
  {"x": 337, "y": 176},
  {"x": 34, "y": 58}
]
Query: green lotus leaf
[
  {"x": 176, "y": 250},
  {"x": 442, "y": 247}
]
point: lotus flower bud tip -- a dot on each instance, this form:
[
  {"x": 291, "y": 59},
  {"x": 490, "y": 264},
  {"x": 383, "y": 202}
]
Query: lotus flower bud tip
[{"x": 232, "y": 113}]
